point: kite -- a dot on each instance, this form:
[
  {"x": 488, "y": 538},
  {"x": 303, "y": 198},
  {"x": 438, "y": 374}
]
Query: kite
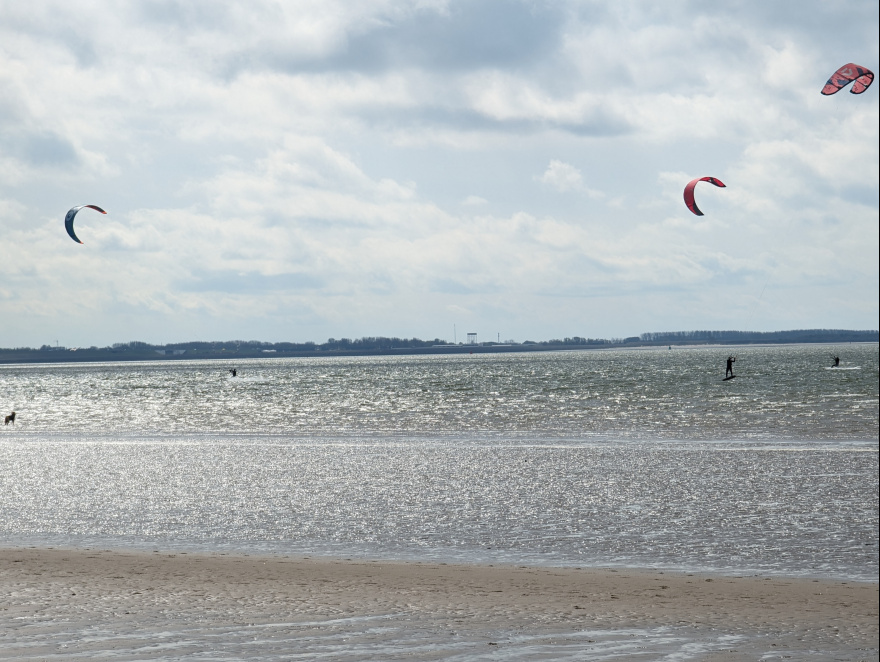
[
  {"x": 689, "y": 192},
  {"x": 848, "y": 73},
  {"x": 68, "y": 220}
]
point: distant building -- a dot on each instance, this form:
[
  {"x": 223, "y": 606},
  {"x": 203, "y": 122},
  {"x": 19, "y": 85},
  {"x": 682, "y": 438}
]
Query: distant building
[{"x": 472, "y": 339}]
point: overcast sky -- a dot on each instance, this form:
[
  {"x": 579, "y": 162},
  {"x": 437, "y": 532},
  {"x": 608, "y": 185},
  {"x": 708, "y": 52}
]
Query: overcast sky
[{"x": 325, "y": 168}]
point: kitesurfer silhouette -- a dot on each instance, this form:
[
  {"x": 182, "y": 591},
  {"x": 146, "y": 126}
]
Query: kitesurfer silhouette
[
  {"x": 234, "y": 372},
  {"x": 836, "y": 362},
  {"x": 729, "y": 372}
]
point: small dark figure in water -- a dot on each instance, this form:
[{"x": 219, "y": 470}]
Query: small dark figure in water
[
  {"x": 836, "y": 362},
  {"x": 730, "y": 361},
  {"x": 10, "y": 419},
  {"x": 234, "y": 372}
]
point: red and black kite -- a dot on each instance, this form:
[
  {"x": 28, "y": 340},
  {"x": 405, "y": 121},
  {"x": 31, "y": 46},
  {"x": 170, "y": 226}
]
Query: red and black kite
[
  {"x": 848, "y": 73},
  {"x": 689, "y": 192}
]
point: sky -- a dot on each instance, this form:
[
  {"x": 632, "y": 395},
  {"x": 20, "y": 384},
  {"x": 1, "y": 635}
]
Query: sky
[{"x": 308, "y": 169}]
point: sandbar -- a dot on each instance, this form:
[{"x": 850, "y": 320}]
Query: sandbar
[{"x": 89, "y": 603}]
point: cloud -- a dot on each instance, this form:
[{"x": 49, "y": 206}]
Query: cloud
[
  {"x": 454, "y": 35},
  {"x": 41, "y": 149},
  {"x": 564, "y": 177}
]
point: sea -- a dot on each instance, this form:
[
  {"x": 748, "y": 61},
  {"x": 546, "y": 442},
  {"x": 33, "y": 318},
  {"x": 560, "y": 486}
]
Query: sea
[{"x": 636, "y": 458}]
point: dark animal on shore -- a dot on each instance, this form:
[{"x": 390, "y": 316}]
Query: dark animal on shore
[{"x": 9, "y": 419}]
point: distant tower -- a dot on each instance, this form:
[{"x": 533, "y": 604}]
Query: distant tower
[{"x": 472, "y": 339}]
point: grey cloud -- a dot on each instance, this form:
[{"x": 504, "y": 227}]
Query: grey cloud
[
  {"x": 825, "y": 191},
  {"x": 597, "y": 124},
  {"x": 490, "y": 33},
  {"x": 448, "y": 286},
  {"x": 472, "y": 35},
  {"x": 860, "y": 194},
  {"x": 829, "y": 21},
  {"x": 64, "y": 26},
  {"x": 235, "y": 282},
  {"x": 600, "y": 124},
  {"x": 39, "y": 149},
  {"x": 82, "y": 48},
  {"x": 186, "y": 15},
  {"x": 457, "y": 287}
]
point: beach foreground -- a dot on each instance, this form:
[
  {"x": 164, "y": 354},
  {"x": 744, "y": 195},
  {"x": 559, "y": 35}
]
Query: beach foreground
[{"x": 58, "y": 603}]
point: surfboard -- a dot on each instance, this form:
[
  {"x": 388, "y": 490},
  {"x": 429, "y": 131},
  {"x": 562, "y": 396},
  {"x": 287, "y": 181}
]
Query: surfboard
[{"x": 728, "y": 378}]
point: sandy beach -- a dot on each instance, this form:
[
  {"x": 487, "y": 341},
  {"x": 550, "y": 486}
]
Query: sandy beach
[{"x": 60, "y": 603}]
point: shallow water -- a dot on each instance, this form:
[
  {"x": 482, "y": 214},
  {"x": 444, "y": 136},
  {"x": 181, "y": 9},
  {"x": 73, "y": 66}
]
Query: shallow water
[
  {"x": 640, "y": 458},
  {"x": 380, "y": 637}
]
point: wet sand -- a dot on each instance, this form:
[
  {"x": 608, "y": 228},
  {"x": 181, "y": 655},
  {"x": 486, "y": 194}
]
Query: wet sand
[{"x": 59, "y": 603}]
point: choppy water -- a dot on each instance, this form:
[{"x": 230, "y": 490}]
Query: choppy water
[
  {"x": 780, "y": 393},
  {"x": 642, "y": 458}
]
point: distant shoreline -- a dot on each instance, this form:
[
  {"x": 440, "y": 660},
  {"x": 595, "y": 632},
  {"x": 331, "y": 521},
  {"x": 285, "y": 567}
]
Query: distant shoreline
[{"x": 15, "y": 356}]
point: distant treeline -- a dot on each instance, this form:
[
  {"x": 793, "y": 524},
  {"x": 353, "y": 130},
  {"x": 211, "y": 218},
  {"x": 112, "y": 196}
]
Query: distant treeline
[
  {"x": 237, "y": 349},
  {"x": 369, "y": 343},
  {"x": 732, "y": 337}
]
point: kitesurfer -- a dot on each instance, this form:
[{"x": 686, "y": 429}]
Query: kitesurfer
[
  {"x": 234, "y": 372},
  {"x": 836, "y": 362},
  {"x": 729, "y": 372}
]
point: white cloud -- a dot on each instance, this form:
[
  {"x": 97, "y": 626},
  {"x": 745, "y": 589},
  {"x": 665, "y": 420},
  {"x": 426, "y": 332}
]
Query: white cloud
[{"x": 562, "y": 176}]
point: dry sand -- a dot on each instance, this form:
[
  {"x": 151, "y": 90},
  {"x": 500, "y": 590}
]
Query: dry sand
[{"x": 59, "y": 604}]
